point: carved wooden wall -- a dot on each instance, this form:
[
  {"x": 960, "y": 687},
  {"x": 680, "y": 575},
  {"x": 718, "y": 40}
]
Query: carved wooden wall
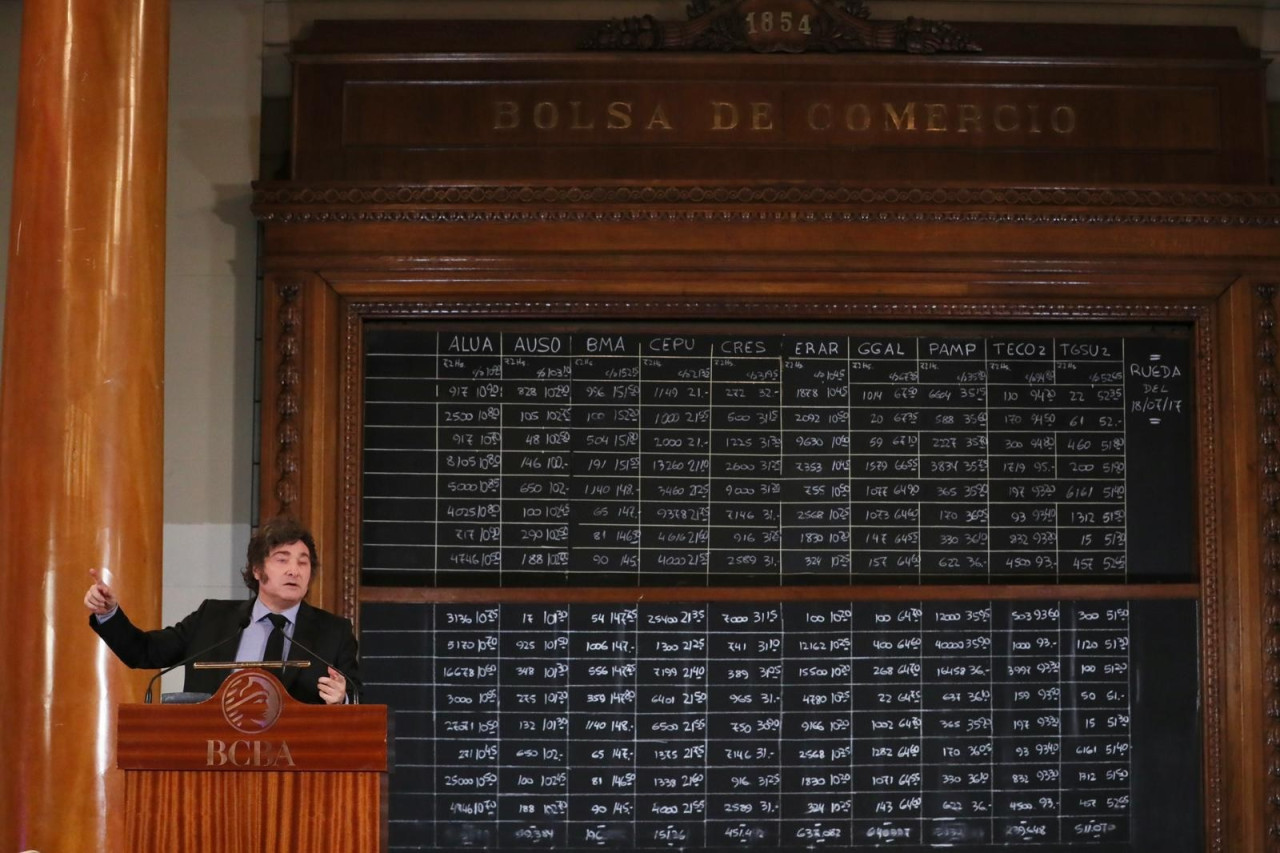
[{"x": 382, "y": 219}]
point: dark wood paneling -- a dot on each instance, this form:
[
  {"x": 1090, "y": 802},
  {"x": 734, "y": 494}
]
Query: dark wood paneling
[
  {"x": 406, "y": 202},
  {"x": 1146, "y": 108}
]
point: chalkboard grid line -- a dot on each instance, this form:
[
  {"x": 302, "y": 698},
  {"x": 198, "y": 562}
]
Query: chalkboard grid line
[
  {"x": 865, "y": 592},
  {"x": 435, "y": 532},
  {"x": 986, "y": 395},
  {"x": 435, "y": 703}
]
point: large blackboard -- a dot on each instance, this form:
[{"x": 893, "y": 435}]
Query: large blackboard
[
  {"x": 774, "y": 454},
  {"x": 791, "y": 724}
]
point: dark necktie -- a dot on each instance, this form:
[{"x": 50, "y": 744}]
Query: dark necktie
[{"x": 275, "y": 640}]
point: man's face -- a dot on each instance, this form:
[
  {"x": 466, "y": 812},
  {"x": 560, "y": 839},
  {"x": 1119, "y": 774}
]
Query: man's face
[{"x": 284, "y": 576}]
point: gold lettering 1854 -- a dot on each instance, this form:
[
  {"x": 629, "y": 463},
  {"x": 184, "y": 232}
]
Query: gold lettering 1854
[{"x": 783, "y": 22}]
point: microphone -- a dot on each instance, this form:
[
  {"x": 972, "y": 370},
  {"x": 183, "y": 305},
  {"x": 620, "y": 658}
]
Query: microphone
[
  {"x": 352, "y": 693},
  {"x": 244, "y": 623}
]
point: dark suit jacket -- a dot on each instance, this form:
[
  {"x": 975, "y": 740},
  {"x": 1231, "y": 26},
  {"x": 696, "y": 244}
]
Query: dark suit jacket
[{"x": 216, "y": 624}]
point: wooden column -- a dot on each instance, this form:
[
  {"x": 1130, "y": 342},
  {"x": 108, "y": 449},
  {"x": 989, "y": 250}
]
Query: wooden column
[{"x": 81, "y": 408}]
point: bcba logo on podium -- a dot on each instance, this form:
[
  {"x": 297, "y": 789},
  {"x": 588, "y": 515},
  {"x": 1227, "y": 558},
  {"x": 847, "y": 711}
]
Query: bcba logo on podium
[{"x": 251, "y": 703}]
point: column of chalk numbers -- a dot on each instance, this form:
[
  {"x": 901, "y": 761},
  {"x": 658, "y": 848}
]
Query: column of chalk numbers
[
  {"x": 533, "y": 743},
  {"x": 1091, "y": 458},
  {"x": 672, "y": 714},
  {"x": 606, "y": 483},
  {"x": 469, "y": 458},
  {"x": 536, "y": 457},
  {"x": 1097, "y": 751},
  {"x": 954, "y": 467},
  {"x": 675, "y": 460},
  {"x": 1023, "y": 442},
  {"x": 957, "y": 760},
  {"x": 816, "y": 448},
  {"x": 744, "y": 683},
  {"x": 817, "y": 722},
  {"x": 746, "y": 452},
  {"x": 885, "y": 423},
  {"x": 888, "y": 674},
  {"x": 468, "y": 725},
  {"x": 1029, "y": 694},
  {"x": 602, "y": 725}
]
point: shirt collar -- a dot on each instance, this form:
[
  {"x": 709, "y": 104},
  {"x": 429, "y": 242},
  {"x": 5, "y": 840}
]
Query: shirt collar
[{"x": 260, "y": 611}]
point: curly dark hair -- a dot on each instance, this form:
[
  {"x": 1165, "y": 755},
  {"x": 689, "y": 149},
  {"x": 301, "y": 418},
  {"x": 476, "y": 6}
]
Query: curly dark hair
[{"x": 282, "y": 530}]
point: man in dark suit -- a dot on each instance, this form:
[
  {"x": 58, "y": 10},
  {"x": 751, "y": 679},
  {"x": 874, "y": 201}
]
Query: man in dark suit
[{"x": 274, "y": 625}]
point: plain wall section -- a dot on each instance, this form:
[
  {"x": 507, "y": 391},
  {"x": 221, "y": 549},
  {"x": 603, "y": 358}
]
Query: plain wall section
[{"x": 215, "y": 97}]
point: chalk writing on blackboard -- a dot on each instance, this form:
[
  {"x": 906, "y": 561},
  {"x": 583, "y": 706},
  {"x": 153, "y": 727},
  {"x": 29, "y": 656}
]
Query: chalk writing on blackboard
[
  {"x": 535, "y": 458},
  {"x": 791, "y": 724}
]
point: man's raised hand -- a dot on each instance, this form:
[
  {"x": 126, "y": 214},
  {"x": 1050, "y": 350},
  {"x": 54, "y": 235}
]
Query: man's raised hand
[{"x": 100, "y": 599}]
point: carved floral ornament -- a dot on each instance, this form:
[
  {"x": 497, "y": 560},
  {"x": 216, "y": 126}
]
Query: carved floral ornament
[
  {"x": 787, "y": 26},
  {"x": 1257, "y": 207}
]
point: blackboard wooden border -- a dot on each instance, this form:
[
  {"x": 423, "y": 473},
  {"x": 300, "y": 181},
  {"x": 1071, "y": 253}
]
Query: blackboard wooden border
[{"x": 358, "y": 305}]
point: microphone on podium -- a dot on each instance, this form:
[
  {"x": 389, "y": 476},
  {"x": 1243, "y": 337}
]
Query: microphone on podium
[
  {"x": 244, "y": 623},
  {"x": 352, "y": 693}
]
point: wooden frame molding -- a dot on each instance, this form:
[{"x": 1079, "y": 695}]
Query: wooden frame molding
[
  {"x": 1268, "y": 409},
  {"x": 1221, "y": 206}
]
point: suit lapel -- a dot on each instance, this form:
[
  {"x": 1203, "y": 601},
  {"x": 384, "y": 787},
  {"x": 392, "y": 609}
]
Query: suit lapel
[
  {"x": 240, "y": 615},
  {"x": 209, "y": 680}
]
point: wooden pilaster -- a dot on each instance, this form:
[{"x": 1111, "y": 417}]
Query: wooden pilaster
[{"x": 81, "y": 406}]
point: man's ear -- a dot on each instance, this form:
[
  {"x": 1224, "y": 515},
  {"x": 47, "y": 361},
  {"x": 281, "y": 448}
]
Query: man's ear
[{"x": 257, "y": 573}]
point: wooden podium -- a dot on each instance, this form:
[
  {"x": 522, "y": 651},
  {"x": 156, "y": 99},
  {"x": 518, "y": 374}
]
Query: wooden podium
[{"x": 252, "y": 769}]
